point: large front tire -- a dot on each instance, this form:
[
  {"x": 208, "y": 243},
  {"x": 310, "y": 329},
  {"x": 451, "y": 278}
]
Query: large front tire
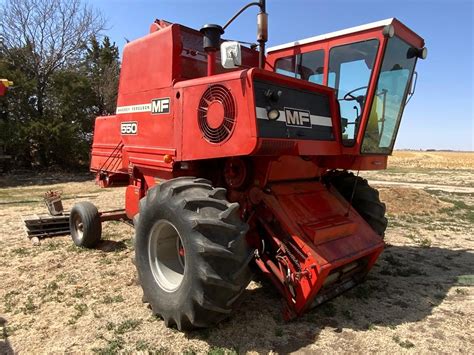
[{"x": 191, "y": 254}]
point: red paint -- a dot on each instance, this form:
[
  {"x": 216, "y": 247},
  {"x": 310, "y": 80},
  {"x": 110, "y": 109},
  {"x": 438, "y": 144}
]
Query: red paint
[
  {"x": 304, "y": 231},
  {"x": 211, "y": 63},
  {"x": 4, "y": 84}
]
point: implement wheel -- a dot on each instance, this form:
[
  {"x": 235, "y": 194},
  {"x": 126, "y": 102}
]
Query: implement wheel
[
  {"x": 191, "y": 254},
  {"x": 366, "y": 200},
  {"x": 85, "y": 225}
]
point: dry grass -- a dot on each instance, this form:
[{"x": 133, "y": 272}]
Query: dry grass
[
  {"x": 396, "y": 199},
  {"x": 59, "y": 298},
  {"x": 432, "y": 160},
  {"x": 439, "y": 168}
]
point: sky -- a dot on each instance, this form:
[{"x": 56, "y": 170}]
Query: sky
[{"x": 439, "y": 116}]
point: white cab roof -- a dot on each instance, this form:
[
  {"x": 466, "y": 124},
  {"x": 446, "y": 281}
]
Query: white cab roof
[{"x": 333, "y": 34}]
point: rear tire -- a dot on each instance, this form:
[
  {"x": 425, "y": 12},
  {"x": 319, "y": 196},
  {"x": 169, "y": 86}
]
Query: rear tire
[
  {"x": 366, "y": 200},
  {"x": 85, "y": 225},
  {"x": 191, "y": 254}
]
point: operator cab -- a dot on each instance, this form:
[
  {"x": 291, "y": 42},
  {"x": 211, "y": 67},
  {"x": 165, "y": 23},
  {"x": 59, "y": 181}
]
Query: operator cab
[{"x": 371, "y": 69}]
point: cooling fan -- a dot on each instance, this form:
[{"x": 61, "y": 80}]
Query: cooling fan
[{"x": 216, "y": 114}]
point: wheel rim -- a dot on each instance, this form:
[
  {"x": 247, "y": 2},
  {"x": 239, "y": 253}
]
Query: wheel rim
[
  {"x": 78, "y": 226},
  {"x": 166, "y": 255}
]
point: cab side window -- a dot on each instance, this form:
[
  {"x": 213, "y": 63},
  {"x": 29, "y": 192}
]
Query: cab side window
[
  {"x": 312, "y": 66},
  {"x": 288, "y": 66},
  {"x": 307, "y": 66}
]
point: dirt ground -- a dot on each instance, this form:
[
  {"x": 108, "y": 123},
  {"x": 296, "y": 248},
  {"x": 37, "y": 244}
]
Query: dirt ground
[{"x": 419, "y": 297}]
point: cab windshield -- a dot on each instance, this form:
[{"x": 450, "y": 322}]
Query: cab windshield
[{"x": 390, "y": 97}]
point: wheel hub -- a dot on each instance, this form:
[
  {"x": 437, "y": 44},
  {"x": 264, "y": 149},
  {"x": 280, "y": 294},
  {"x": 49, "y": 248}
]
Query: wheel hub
[
  {"x": 79, "y": 226},
  {"x": 166, "y": 255}
]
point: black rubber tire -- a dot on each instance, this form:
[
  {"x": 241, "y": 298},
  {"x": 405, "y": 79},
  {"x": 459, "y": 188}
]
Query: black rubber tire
[
  {"x": 366, "y": 200},
  {"x": 216, "y": 254},
  {"x": 86, "y": 214}
]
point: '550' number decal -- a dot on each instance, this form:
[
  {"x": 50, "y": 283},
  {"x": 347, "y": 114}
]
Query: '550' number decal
[{"x": 129, "y": 128}]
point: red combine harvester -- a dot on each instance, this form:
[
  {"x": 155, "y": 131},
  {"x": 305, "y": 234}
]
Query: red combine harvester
[{"x": 230, "y": 156}]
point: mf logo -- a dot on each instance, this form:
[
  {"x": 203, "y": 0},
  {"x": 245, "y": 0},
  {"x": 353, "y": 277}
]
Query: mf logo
[
  {"x": 159, "y": 106},
  {"x": 297, "y": 118},
  {"x": 127, "y": 128}
]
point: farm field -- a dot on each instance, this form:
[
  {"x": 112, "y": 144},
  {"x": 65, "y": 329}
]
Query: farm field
[{"x": 419, "y": 298}]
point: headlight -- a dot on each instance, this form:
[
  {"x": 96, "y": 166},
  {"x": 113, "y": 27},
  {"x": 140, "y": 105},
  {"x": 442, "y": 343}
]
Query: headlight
[
  {"x": 389, "y": 31},
  {"x": 273, "y": 114},
  {"x": 423, "y": 53}
]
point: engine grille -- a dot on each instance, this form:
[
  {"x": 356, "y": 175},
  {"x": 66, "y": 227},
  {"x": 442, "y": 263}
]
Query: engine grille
[{"x": 217, "y": 94}]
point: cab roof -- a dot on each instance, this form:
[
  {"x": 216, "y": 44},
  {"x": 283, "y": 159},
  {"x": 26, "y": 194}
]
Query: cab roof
[{"x": 346, "y": 31}]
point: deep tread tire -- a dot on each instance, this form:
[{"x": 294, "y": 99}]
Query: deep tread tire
[
  {"x": 85, "y": 225},
  {"x": 216, "y": 268},
  {"x": 366, "y": 200}
]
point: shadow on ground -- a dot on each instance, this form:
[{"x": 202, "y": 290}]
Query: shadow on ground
[
  {"x": 404, "y": 287},
  {"x": 5, "y": 347},
  {"x": 109, "y": 246},
  {"x": 31, "y": 178}
]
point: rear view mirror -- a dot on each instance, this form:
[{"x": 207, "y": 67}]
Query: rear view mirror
[
  {"x": 231, "y": 55},
  {"x": 412, "y": 87}
]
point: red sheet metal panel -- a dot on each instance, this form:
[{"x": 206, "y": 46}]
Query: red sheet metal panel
[{"x": 324, "y": 233}]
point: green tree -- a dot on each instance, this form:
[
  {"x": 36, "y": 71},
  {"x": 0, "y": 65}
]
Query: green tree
[
  {"x": 103, "y": 67},
  {"x": 47, "y": 119},
  {"x": 16, "y": 108},
  {"x": 52, "y": 35}
]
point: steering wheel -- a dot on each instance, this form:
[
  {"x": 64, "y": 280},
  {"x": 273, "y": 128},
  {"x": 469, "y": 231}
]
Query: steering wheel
[{"x": 350, "y": 97}]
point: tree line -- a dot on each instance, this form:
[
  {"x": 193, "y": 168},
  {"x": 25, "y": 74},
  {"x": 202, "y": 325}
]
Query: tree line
[{"x": 65, "y": 73}]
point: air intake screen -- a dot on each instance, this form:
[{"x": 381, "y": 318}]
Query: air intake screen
[{"x": 216, "y": 114}]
